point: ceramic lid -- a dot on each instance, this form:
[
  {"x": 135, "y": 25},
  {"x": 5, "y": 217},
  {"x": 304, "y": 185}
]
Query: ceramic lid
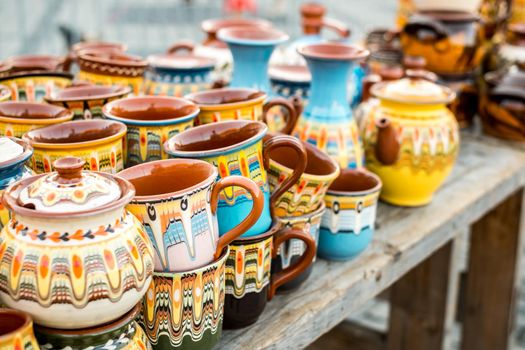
[
  {"x": 70, "y": 189},
  {"x": 13, "y": 151},
  {"x": 413, "y": 90}
]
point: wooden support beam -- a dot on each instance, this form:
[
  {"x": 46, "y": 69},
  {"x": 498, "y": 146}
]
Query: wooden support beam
[{"x": 350, "y": 335}]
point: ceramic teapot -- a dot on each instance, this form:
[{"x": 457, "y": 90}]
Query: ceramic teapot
[
  {"x": 71, "y": 256},
  {"x": 411, "y": 139}
]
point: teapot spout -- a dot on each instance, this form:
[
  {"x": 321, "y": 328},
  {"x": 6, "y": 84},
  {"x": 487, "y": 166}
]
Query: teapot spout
[{"x": 387, "y": 145}]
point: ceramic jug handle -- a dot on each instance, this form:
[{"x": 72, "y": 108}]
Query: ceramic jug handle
[
  {"x": 290, "y": 109},
  {"x": 297, "y": 146},
  {"x": 294, "y": 270},
  {"x": 419, "y": 23},
  {"x": 180, "y": 46},
  {"x": 68, "y": 62},
  {"x": 249, "y": 220},
  {"x": 337, "y": 26}
]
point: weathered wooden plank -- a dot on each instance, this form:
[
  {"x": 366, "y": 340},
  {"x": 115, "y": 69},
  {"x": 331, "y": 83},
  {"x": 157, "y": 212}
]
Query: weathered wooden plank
[
  {"x": 350, "y": 335},
  {"x": 491, "y": 277},
  {"x": 486, "y": 173}
]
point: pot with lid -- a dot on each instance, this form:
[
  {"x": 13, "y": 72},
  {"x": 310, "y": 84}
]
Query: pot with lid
[{"x": 71, "y": 249}]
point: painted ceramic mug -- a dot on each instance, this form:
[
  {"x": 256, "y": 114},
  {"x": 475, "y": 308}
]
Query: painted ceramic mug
[
  {"x": 250, "y": 282},
  {"x": 98, "y": 142},
  {"x": 237, "y": 148},
  {"x": 32, "y": 86},
  {"x": 16, "y": 331},
  {"x": 184, "y": 310},
  {"x": 151, "y": 121},
  {"x": 291, "y": 251},
  {"x": 5, "y": 93},
  {"x": 308, "y": 192},
  {"x": 240, "y": 104},
  {"x": 176, "y": 201},
  {"x": 348, "y": 222}
]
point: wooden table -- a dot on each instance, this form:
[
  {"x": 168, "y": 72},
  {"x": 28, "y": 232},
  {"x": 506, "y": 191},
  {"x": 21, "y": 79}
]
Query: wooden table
[{"x": 412, "y": 253}]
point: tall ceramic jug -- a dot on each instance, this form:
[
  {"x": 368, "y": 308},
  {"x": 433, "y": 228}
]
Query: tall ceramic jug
[{"x": 327, "y": 120}]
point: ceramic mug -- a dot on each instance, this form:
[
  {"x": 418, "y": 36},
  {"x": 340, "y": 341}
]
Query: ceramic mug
[
  {"x": 151, "y": 120},
  {"x": 250, "y": 283},
  {"x": 184, "y": 310},
  {"x": 237, "y": 148},
  {"x": 308, "y": 192},
  {"x": 245, "y": 104},
  {"x": 291, "y": 251},
  {"x": 5, "y": 93},
  {"x": 176, "y": 201},
  {"x": 32, "y": 86},
  {"x": 348, "y": 222},
  {"x": 16, "y": 331}
]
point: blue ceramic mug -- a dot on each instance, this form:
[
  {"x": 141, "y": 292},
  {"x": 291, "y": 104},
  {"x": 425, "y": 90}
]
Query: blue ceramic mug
[{"x": 236, "y": 148}]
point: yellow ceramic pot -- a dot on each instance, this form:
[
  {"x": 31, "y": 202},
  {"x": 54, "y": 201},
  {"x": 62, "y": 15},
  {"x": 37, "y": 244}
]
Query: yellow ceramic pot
[
  {"x": 17, "y": 118},
  {"x": 16, "y": 331},
  {"x": 411, "y": 139},
  {"x": 34, "y": 85},
  {"x": 98, "y": 142},
  {"x": 5, "y": 93}
]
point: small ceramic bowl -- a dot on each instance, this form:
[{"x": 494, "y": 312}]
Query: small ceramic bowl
[
  {"x": 16, "y": 330},
  {"x": 86, "y": 101},
  {"x": 98, "y": 142},
  {"x": 17, "y": 118},
  {"x": 151, "y": 121},
  {"x": 32, "y": 86},
  {"x": 5, "y": 93},
  {"x": 26, "y": 63},
  {"x": 348, "y": 222}
]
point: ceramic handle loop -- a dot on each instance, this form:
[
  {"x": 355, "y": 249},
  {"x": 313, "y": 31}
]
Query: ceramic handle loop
[
  {"x": 294, "y": 270},
  {"x": 181, "y": 46},
  {"x": 290, "y": 109},
  {"x": 337, "y": 26}
]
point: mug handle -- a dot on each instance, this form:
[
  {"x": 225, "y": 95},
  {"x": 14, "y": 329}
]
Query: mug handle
[
  {"x": 68, "y": 62},
  {"x": 294, "y": 270},
  {"x": 180, "y": 46},
  {"x": 297, "y": 146},
  {"x": 291, "y": 112},
  {"x": 337, "y": 26},
  {"x": 249, "y": 220}
]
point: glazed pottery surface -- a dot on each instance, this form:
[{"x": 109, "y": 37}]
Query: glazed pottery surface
[
  {"x": 291, "y": 251},
  {"x": 33, "y": 86},
  {"x": 347, "y": 224},
  {"x": 237, "y": 148},
  {"x": 250, "y": 283},
  {"x": 122, "y": 334},
  {"x": 290, "y": 80},
  {"x": 104, "y": 67},
  {"x": 16, "y": 331},
  {"x": 184, "y": 310},
  {"x": 61, "y": 224},
  {"x": 176, "y": 200},
  {"x": 86, "y": 101},
  {"x": 17, "y": 118},
  {"x": 308, "y": 192},
  {"x": 98, "y": 142},
  {"x": 465, "y": 105},
  {"x": 5, "y": 93},
  {"x": 151, "y": 121},
  {"x": 12, "y": 168},
  {"x": 240, "y": 104},
  {"x": 411, "y": 139},
  {"x": 27, "y": 63},
  {"x": 327, "y": 120}
]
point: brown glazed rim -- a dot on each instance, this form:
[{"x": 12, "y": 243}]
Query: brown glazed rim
[
  {"x": 213, "y": 25},
  {"x": 333, "y": 51},
  {"x": 5, "y": 67},
  {"x": 194, "y": 97},
  {"x": 21, "y": 62},
  {"x": 107, "y": 327},
  {"x": 347, "y": 171},
  {"x": 174, "y": 61},
  {"x": 28, "y": 150},
  {"x": 110, "y": 91},
  {"x": 26, "y": 318},
  {"x": 449, "y": 15},
  {"x": 98, "y": 45},
  {"x": 9, "y": 200},
  {"x": 61, "y": 114},
  {"x": 169, "y": 163},
  {"x": 260, "y": 237},
  {"x": 116, "y": 58},
  {"x": 37, "y": 73},
  {"x": 253, "y": 34}
]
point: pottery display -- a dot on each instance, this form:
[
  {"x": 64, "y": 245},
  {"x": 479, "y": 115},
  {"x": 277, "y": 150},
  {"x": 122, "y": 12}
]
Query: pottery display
[
  {"x": 237, "y": 148},
  {"x": 15, "y": 154},
  {"x": 102, "y": 67},
  {"x": 86, "y": 101},
  {"x": 327, "y": 121},
  {"x": 17, "y": 118},
  {"x": 250, "y": 283},
  {"x": 347, "y": 224},
  {"x": 307, "y": 193},
  {"x": 290, "y": 80},
  {"x": 176, "y": 201},
  {"x": 26, "y": 63},
  {"x": 411, "y": 139},
  {"x": 510, "y": 51},
  {"x": 465, "y": 105},
  {"x": 184, "y": 310},
  {"x": 450, "y": 41},
  {"x": 151, "y": 121},
  {"x": 97, "y": 142},
  {"x": 16, "y": 331},
  {"x": 291, "y": 251},
  {"x": 32, "y": 86},
  {"x": 240, "y": 104},
  {"x": 5, "y": 93},
  {"x": 5, "y": 68},
  {"x": 121, "y": 334},
  {"x": 61, "y": 223}
]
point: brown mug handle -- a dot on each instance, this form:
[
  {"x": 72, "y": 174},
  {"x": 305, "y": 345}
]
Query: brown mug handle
[
  {"x": 294, "y": 270},
  {"x": 249, "y": 220},
  {"x": 291, "y": 112},
  {"x": 68, "y": 62},
  {"x": 337, "y": 26},
  {"x": 180, "y": 46},
  {"x": 297, "y": 146}
]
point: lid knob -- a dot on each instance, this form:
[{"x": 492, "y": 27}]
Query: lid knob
[{"x": 69, "y": 169}]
